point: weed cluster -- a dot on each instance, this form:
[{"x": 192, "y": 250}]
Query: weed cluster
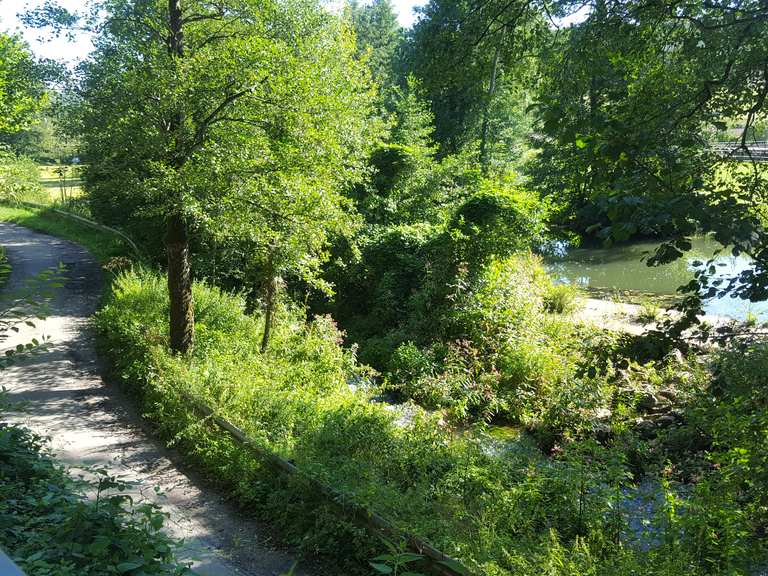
[
  {"x": 501, "y": 511},
  {"x": 49, "y": 526}
]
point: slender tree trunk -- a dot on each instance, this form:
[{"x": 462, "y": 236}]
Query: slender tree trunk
[
  {"x": 182, "y": 318},
  {"x": 270, "y": 297},
  {"x": 484, "y": 134}
]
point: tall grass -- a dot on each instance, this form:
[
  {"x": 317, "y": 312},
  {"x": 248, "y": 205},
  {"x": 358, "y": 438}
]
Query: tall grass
[{"x": 518, "y": 513}]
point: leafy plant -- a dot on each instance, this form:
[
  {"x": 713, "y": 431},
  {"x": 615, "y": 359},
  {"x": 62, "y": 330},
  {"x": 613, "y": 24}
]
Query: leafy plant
[
  {"x": 649, "y": 312},
  {"x": 397, "y": 562},
  {"x": 560, "y": 298},
  {"x": 48, "y": 525}
]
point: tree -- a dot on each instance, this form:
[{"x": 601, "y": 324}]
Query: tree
[
  {"x": 22, "y": 89},
  {"x": 379, "y": 41},
  {"x": 466, "y": 54},
  {"x": 239, "y": 120}
]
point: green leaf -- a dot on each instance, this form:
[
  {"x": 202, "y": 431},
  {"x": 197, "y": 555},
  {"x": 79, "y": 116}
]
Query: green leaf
[{"x": 124, "y": 567}]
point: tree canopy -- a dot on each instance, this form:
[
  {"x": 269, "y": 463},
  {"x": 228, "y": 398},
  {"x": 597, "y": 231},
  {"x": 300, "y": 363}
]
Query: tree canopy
[
  {"x": 22, "y": 88},
  {"x": 243, "y": 127}
]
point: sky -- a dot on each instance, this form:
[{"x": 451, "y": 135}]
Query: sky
[{"x": 62, "y": 49}]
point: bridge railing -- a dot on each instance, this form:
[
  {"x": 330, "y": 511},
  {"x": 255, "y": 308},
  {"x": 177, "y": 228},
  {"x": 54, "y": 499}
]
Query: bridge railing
[{"x": 756, "y": 151}]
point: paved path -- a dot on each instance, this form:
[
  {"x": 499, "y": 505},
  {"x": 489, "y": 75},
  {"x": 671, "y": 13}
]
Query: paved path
[{"x": 90, "y": 421}]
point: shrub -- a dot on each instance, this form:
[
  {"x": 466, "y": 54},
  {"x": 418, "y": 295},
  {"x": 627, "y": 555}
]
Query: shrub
[
  {"x": 48, "y": 526},
  {"x": 20, "y": 180},
  {"x": 560, "y": 298},
  {"x": 505, "y": 354},
  {"x": 496, "y": 222}
]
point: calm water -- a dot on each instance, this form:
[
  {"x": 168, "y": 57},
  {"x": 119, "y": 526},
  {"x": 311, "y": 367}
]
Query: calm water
[{"x": 624, "y": 268}]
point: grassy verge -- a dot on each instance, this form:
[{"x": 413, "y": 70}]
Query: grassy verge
[
  {"x": 501, "y": 511},
  {"x": 48, "y": 526},
  {"x": 101, "y": 244},
  {"x": 58, "y": 188},
  {"x": 5, "y": 267}
]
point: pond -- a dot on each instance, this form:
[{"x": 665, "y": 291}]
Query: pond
[{"x": 623, "y": 268}]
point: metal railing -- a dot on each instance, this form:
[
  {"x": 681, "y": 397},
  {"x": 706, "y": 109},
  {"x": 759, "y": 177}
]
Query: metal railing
[{"x": 750, "y": 152}]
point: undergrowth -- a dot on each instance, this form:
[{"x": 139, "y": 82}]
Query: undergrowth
[
  {"x": 518, "y": 511},
  {"x": 49, "y": 527}
]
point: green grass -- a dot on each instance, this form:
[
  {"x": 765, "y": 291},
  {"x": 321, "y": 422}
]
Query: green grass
[
  {"x": 522, "y": 512},
  {"x": 101, "y": 244},
  {"x": 51, "y": 181}
]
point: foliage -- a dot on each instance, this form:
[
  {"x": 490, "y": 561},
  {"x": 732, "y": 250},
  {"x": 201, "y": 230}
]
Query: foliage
[
  {"x": 649, "y": 312},
  {"x": 470, "y": 58},
  {"x": 408, "y": 185},
  {"x": 561, "y": 298},
  {"x": 402, "y": 286},
  {"x": 502, "y": 355},
  {"x": 497, "y": 221},
  {"x": 51, "y": 135},
  {"x": 19, "y": 180},
  {"x": 276, "y": 121},
  {"x": 21, "y": 84},
  {"x": 520, "y": 512},
  {"x": 49, "y": 526},
  {"x": 397, "y": 561},
  {"x": 379, "y": 41}
]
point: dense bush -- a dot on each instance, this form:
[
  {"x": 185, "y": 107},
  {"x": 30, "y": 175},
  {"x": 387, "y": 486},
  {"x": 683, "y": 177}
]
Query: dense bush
[
  {"x": 406, "y": 275},
  {"x": 48, "y": 526},
  {"x": 19, "y": 179},
  {"x": 725, "y": 428},
  {"x": 510, "y": 512}
]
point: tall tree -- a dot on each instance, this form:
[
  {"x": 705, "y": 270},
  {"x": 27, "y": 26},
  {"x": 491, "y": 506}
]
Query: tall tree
[
  {"x": 468, "y": 52},
  {"x": 22, "y": 89},
  {"x": 379, "y": 41},
  {"x": 222, "y": 119}
]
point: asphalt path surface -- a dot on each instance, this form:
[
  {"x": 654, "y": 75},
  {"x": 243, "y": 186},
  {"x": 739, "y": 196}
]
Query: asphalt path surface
[{"x": 91, "y": 422}]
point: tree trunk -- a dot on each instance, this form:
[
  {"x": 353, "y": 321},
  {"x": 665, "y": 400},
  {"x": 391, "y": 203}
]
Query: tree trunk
[
  {"x": 484, "y": 153},
  {"x": 182, "y": 316},
  {"x": 270, "y": 295}
]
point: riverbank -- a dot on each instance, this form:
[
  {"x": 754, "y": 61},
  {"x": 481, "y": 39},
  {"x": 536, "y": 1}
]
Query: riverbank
[
  {"x": 630, "y": 318},
  {"x": 621, "y": 272}
]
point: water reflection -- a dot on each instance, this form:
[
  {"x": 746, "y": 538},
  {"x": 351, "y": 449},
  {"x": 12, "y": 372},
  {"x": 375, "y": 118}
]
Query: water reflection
[{"x": 624, "y": 268}]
